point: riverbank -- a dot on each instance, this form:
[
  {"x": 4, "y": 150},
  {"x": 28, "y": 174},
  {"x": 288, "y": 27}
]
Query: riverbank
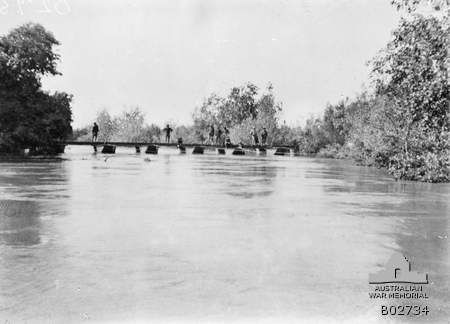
[{"x": 436, "y": 171}]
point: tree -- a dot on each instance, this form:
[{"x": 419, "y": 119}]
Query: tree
[
  {"x": 412, "y": 74},
  {"x": 187, "y": 133},
  {"x": 314, "y": 136},
  {"x": 240, "y": 105},
  {"x": 81, "y": 134},
  {"x": 107, "y": 126},
  {"x": 335, "y": 123},
  {"x": 241, "y": 110},
  {"x": 26, "y": 54},
  {"x": 413, "y": 5},
  {"x": 151, "y": 133},
  {"x": 130, "y": 125},
  {"x": 30, "y": 117}
]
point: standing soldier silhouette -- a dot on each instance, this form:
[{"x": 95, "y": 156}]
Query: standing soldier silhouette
[
  {"x": 168, "y": 130},
  {"x": 264, "y": 136},
  {"x": 211, "y": 134},
  {"x": 95, "y": 132},
  {"x": 254, "y": 135},
  {"x": 219, "y": 140},
  {"x": 227, "y": 136}
]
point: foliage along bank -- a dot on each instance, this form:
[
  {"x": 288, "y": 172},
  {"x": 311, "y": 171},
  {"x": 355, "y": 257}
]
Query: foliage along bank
[
  {"x": 402, "y": 125},
  {"x": 31, "y": 118}
]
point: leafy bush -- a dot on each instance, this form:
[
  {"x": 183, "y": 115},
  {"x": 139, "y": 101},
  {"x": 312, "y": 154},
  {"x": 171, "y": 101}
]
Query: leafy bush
[{"x": 30, "y": 117}]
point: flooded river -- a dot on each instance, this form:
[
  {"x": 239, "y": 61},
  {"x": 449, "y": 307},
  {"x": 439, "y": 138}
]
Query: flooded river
[{"x": 209, "y": 238}]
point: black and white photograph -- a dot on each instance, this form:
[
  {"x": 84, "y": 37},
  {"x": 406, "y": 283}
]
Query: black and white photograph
[{"x": 224, "y": 161}]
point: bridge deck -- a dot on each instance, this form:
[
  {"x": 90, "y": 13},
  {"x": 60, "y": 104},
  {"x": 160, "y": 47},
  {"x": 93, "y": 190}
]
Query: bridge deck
[{"x": 134, "y": 144}]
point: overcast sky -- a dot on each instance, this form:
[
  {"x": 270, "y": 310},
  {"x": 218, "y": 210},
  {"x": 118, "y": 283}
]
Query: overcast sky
[{"x": 166, "y": 56}]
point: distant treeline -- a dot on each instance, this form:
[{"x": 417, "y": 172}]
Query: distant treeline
[
  {"x": 401, "y": 125},
  {"x": 240, "y": 111}
]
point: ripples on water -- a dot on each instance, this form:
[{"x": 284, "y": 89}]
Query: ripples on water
[{"x": 209, "y": 238}]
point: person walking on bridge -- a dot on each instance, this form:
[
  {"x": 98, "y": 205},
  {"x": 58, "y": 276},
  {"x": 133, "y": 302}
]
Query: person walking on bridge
[
  {"x": 168, "y": 131},
  {"x": 95, "y": 132}
]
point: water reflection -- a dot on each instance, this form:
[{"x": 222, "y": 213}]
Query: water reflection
[
  {"x": 33, "y": 196},
  {"x": 126, "y": 238},
  {"x": 416, "y": 220},
  {"x": 255, "y": 178},
  {"x": 19, "y": 222},
  {"x": 423, "y": 236}
]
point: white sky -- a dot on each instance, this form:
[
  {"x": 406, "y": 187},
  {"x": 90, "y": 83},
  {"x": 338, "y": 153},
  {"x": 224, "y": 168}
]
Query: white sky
[{"x": 166, "y": 56}]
